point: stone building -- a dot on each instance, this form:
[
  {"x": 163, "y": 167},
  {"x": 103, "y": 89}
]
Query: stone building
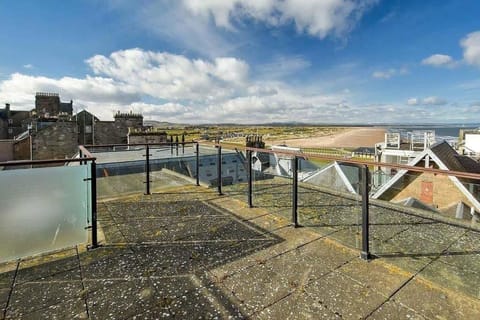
[
  {"x": 51, "y": 131},
  {"x": 116, "y": 131},
  {"x": 48, "y": 105},
  {"x": 12, "y": 122},
  {"x": 140, "y": 136},
  {"x": 85, "y": 123}
]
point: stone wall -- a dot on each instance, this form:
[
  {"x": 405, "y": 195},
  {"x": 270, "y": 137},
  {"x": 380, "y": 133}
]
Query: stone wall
[
  {"x": 3, "y": 129},
  {"x": 21, "y": 149},
  {"x": 56, "y": 141},
  {"x": 6, "y": 150},
  {"x": 47, "y": 104},
  {"x": 110, "y": 132},
  {"x": 147, "y": 138}
]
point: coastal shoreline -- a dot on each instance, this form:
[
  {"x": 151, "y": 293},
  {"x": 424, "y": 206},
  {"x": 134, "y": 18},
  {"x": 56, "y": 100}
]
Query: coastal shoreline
[{"x": 350, "y": 137}]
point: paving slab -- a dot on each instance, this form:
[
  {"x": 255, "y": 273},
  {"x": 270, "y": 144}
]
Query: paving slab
[
  {"x": 393, "y": 310},
  {"x": 290, "y": 239},
  {"x": 255, "y": 287},
  {"x": 49, "y": 296},
  {"x": 349, "y": 299},
  {"x": 60, "y": 266},
  {"x": 216, "y": 258},
  {"x": 383, "y": 278},
  {"x": 131, "y": 297},
  {"x": 297, "y": 306},
  {"x": 461, "y": 280},
  {"x": 432, "y": 301},
  {"x": 110, "y": 262}
]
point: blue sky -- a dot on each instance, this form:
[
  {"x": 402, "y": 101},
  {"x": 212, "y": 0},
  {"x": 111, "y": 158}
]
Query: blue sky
[{"x": 247, "y": 61}]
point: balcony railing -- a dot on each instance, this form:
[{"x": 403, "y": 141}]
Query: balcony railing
[
  {"x": 46, "y": 205},
  {"x": 339, "y": 197}
]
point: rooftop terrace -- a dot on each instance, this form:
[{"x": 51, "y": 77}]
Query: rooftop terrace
[{"x": 187, "y": 252}]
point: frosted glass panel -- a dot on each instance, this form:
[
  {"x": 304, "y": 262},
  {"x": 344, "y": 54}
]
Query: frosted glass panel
[{"x": 42, "y": 209}]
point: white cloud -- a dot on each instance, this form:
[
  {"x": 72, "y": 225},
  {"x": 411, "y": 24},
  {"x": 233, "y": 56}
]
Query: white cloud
[
  {"x": 316, "y": 18},
  {"x": 282, "y": 66},
  {"x": 180, "y": 89},
  {"x": 389, "y": 73},
  {"x": 28, "y": 66},
  {"x": 177, "y": 88},
  {"x": 175, "y": 77},
  {"x": 434, "y": 101},
  {"x": 428, "y": 101},
  {"x": 439, "y": 60},
  {"x": 413, "y": 101},
  {"x": 471, "y": 48}
]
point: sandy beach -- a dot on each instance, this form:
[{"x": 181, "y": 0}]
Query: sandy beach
[{"x": 348, "y": 138}]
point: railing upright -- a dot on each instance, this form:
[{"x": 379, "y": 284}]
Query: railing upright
[
  {"x": 93, "y": 174},
  {"x": 176, "y": 145},
  {"x": 365, "y": 254},
  {"x": 197, "y": 163},
  {"x": 295, "y": 191},
  {"x": 219, "y": 169},
  {"x": 147, "y": 169},
  {"x": 250, "y": 178}
]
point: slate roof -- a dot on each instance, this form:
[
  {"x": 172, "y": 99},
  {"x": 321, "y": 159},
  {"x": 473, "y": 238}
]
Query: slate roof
[{"x": 454, "y": 161}]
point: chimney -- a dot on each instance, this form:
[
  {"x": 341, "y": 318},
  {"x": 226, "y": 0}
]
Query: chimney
[{"x": 7, "y": 109}]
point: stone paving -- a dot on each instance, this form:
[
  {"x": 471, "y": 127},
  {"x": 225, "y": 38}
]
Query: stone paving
[{"x": 188, "y": 253}]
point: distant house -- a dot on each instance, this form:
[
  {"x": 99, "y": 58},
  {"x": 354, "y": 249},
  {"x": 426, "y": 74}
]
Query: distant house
[
  {"x": 446, "y": 194},
  {"x": 469, "y": 142},
  {"x": 401, "y": 147},
  {"x": 48, "y": 105},
  {"x": 86, "y": 125},
  {"x": 12, "y": 122}
]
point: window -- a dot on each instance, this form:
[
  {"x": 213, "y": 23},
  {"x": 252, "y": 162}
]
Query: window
[
  {"x": 88, "y": 129},
  {"x": 10, "y": 121}
]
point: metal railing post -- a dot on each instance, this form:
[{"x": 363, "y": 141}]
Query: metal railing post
[
  {"x": 80, "y": 155},
  {"x": 147, "y": 170},
  {"x": 176, "y": 145},
  {"x": 197, "y": 164},
  {"x": 183, "y": 144},
  {"x": 250, "y": 178},
  {"x": 219, "y": 170},
  {"x": 365, "y": 255},
  {"x": 93, "y": 173},
  {"x": 295, "y": 191}
]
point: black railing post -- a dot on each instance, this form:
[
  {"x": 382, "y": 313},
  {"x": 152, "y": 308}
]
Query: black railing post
[
  {"x": 147, "y": 170},
  {"x": 171, "y": 145},
  {"x": 365, "y": 255},
  {"x": 176, "y": 145},
  {"x": 197, "y": 164},
  {"x": 295, "y": 191},
  {"x": 80, "y": 155},
  {"x": 183, "y": 143},
  {"x": 250, "y": 178},
  {"x": 219, "y": 169},
  {"x": 93, "y": 174}
]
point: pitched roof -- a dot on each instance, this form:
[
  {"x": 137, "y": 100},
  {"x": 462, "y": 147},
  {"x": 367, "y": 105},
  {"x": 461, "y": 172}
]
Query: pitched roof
[
  {"x": 454, "y": 161},
  {"x": 447, "y": 159}
]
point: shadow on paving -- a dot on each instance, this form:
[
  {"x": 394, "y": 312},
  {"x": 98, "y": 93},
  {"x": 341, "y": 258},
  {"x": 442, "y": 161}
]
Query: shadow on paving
[
  {"x": 153, "y": 264},
  {"x": 443, "y": 253}
]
